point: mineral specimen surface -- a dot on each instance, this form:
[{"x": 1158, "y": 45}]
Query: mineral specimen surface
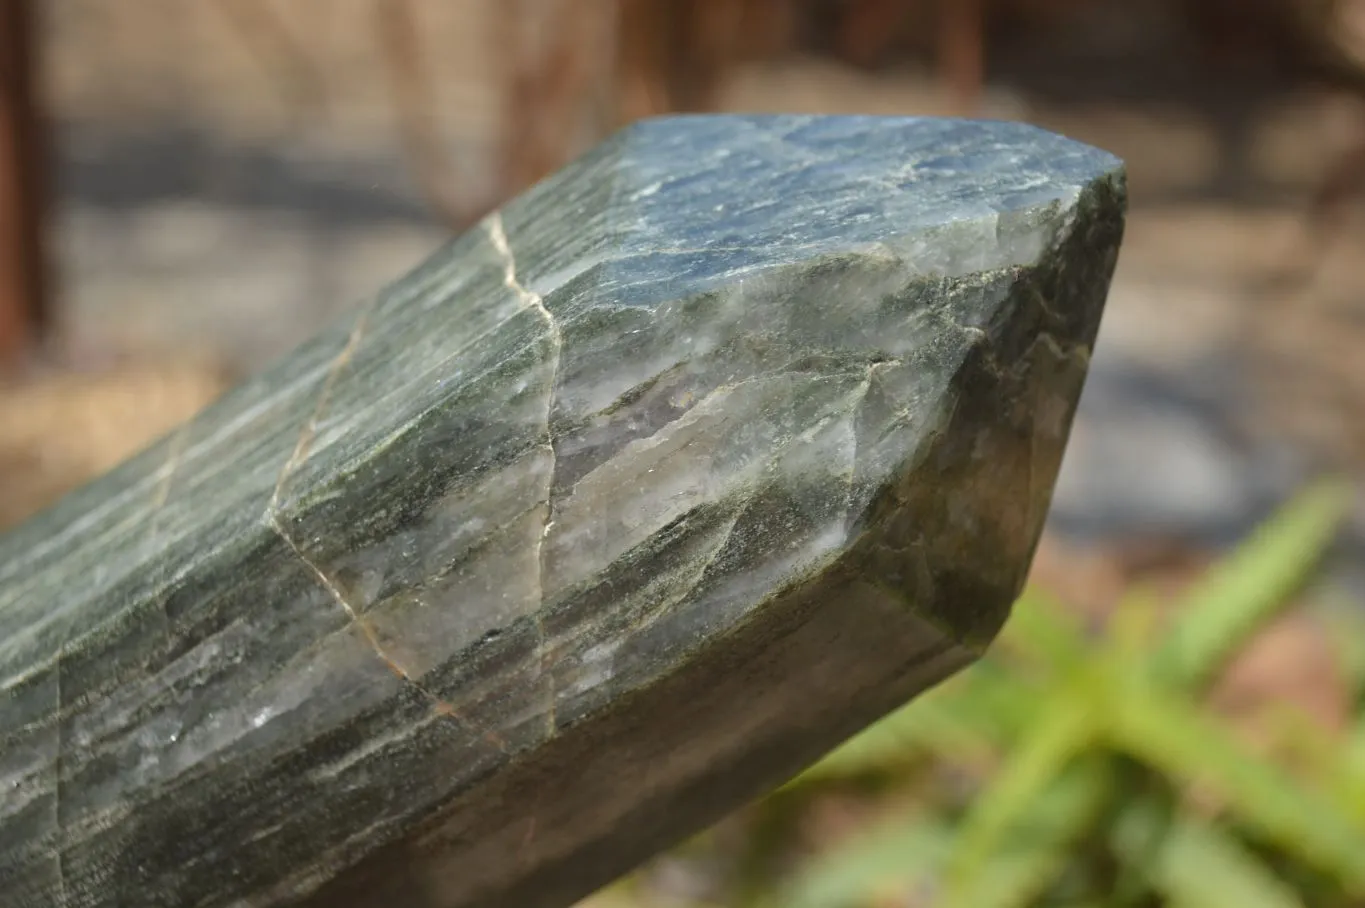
[{"x": 687, "y": 464}]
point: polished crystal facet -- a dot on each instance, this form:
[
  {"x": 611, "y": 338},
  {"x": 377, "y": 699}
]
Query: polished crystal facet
[{"x": 684, "y": 466}]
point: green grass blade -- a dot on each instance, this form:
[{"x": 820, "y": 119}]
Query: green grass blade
[
  {"x": 1188, "y": 746},
  {"x": 1353, "y": 763},
  {"x": 908, "y": 853},
  {"x": 1201, "y": 865},
  {"x": 1324, "y": 756},
  {"x": 900, "y": 854},
  {"x": 1070, "y": 724},
  {"x": 1042, "y": 630},
  {"x": 1042, "y": 849},
  {"x": 1136, "y": 838},
  {"x": 1346, "y": 627},
  {"x": 998, "y": 699},
  {"x": 1251, "y": 585},
  {"x": 1015, "y": 878}
]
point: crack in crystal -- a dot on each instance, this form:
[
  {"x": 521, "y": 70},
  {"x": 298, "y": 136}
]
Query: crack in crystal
[
  {"x": 305, "y": 439},
  {"x": 649, "y": 617},
  {"x": 973, "y": 332},
  {"x": 497, "y": 236},
  {"x": 1041, "y": 301},
  {"x": 696, "y": 409},
  {"x": 859, "y": 394},
  {"x": 300, "y": 453},
  {"x": 174, "y": 456},
  {"x": 859, "y": 397},
  {"x": 166, "y": 473},
  {"x": 439, "y": 366},
  {"x": 1078, "y": 352},
  {"x": 372, "y": 637},
  {"x": 12, "y": 593}
]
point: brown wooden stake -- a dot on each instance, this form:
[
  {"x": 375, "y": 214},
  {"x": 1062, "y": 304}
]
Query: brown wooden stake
[
  {"x": 281, "y": 54},
  {"x": 401, "y": 49},
  {"x": 867, "y": 29},
  {"x": 961, "y": 52},
  {"x": 548, "y": 84},
  {"x": 23, "y": 196}
]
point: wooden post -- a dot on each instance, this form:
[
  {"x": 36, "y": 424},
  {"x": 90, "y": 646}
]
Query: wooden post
[
  {"x": 962, "y": 53},
  {"x": 23, "y": 195}
]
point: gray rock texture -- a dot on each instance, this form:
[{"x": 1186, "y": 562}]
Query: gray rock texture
[{"x": 690, "y": 462}]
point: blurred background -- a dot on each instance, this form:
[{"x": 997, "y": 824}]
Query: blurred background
[{"x": 188, "y": 190}]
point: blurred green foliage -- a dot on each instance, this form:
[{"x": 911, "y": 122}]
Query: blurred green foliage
[{"x": 1080, "y": 766}]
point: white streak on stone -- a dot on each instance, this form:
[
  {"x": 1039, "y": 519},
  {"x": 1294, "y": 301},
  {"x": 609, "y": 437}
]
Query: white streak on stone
[
  {"x": 306, "y": 436},
  {"x": 497, "y": 235},
  {"x": 856, "y": 400},
  {"x": 372, "y": 638}
]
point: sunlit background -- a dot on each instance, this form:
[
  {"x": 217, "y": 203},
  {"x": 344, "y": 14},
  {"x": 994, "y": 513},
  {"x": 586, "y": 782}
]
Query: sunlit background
[{"x": 188, "y": 190}]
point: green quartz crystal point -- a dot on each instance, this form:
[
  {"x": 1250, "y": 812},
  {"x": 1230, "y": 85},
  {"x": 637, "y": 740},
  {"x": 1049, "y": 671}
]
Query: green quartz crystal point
[{"x": 687, "y": 464}]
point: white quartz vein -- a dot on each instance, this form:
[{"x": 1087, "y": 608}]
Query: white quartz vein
[
  {"x": 299, "y": 455},
  {"x": 497, "y": 235},
  {"x": 166, "y": 474},
  {"x": 305, "y": 439},
  {"x": 359, "y": 621},
  {"x": 174, "y": 455},
  {"x": 175, "y": 449}
]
